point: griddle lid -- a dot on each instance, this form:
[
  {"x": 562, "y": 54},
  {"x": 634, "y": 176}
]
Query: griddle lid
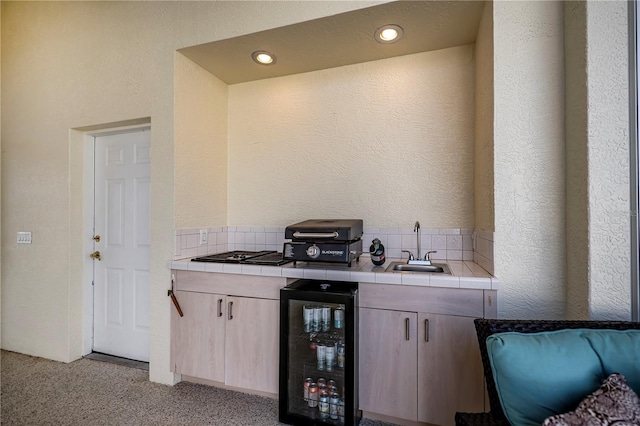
[{"x": 325, "y": 230}]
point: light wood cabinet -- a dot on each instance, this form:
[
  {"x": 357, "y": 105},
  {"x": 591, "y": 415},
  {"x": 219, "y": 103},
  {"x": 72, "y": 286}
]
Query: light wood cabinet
[
  {"x": 450, "y": 377},
  {"x": 388, "y": 357},
  {"x": 417, "y": 365},
  {"x": 252, "y": 344},
  {"x": 197, "y": 338},
  {"x": 232, "y": 340},
  {"x": 418, "y": 351}
]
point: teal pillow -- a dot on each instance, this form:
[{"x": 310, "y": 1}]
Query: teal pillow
[
  {"x": 619, "y": 352},
  {"x": 538, "y": 375}
]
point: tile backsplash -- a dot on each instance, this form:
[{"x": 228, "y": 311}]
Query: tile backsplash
[
  {"x": 449, "y": 244},
  {"x": 483, "y": 253}
]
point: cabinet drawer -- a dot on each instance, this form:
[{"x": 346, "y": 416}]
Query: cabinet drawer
[
  {"x": 463, "y": 302},
  {"x": 231, "y": 284}
]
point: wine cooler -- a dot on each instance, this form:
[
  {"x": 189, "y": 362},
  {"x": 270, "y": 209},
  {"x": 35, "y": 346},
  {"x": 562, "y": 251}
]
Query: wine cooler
[{"x": 319, "y": 353}]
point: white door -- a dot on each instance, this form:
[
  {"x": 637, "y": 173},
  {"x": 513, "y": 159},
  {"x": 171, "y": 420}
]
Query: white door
[{"x": 121, "y": 220}]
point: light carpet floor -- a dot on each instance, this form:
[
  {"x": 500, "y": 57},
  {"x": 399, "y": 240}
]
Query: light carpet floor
[{"x": 37, "y": 391}]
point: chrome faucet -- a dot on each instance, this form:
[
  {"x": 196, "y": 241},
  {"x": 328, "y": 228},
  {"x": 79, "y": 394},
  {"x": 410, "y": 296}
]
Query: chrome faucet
[
  {"x": 419, "y": 260},
  {"x": 427, "y": 256},
  {"x": 416, "y": 229},
  {"x": 410, "y": 254}
]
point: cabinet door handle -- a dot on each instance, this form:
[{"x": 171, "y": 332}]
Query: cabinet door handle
[
  {"x": 406, "y": 329},
  {"x": 230, "y": 307},
  {"x": 426, "y": 330},
  {"x": 219, "y": 307}
]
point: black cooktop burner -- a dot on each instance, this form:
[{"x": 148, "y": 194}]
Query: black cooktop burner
[
  {"x": 264, "y": 257},
  {"x": 273, "y": 258}
]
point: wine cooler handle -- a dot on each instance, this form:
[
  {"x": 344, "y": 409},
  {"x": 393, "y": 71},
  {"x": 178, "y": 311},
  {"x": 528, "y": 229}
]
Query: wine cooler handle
[
  {"x": 426, "y": 330},
  {"x": 230, "y": 307},
  {"x": 219, "y": 307},
  {"x": 406, "y": 329}
]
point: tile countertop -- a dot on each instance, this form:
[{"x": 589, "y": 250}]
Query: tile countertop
[{"x": 464, "y": 274}]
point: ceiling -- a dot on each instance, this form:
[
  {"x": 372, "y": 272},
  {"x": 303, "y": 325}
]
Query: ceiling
[{"x": 342, "y": 39}]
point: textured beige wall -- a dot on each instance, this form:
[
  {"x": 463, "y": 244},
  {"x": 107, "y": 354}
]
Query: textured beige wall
[
  {"x": 577, "y": 166},
  {"x": 200, "y": 146},
  {"x": 484, "y": 117},
  {"x": 529, "y": 251},
  {"x": 387, "y": 141},
  {"x": 73, "y": 64},
  {"x": 608, "y": 161},
  {"x": 598, "y": 226}
]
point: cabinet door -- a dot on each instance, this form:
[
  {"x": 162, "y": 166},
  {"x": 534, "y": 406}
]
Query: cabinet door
[
  {"x": 388, "y": 362},
  {"x": 197, "y": 338},
  {"x": 253, "y": 331},
  {"x": 450, "y": 374}
]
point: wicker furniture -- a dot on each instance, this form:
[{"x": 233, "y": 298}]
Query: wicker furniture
[{"x": 487, "y": 327}]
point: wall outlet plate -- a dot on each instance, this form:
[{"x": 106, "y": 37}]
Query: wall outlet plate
[{"x": 203, "y": 237}]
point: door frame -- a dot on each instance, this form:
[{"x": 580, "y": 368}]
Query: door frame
[
  {"x": 88, "y": 225},
  {"x": 634, "y": 156}
]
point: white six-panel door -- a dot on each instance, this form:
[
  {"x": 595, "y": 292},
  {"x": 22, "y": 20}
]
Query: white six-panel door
[{"x": 121, "y": 277}]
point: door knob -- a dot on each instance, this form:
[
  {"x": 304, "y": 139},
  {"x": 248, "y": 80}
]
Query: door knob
[{"x": 95, "y": 255}]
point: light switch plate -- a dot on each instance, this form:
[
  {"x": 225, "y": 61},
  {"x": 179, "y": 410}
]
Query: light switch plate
[{"x": 24, "y": 237}]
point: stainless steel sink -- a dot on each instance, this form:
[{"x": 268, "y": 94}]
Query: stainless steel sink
[{"x": 434, "y": 268}]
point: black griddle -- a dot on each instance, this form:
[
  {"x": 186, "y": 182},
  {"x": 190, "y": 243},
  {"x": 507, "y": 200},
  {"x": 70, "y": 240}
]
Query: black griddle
[{"x": 324, "y": 240}]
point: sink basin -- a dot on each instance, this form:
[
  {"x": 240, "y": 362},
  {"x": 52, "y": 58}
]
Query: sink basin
[{"x": 434, "y": 268}]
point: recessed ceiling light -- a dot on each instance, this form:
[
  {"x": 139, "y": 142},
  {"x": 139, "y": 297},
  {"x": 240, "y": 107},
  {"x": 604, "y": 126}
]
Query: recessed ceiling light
[
  {"x": 389, "y": 33},
  {"x": 263, "y": 57}
]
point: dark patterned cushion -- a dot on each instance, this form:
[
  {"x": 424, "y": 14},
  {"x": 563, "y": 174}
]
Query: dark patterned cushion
[{"x": 613, "y": 403}]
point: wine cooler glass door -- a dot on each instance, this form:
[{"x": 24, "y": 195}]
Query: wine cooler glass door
[
  {"x": 318, "y": 365},
  {"x": 317, "y": 358}
]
